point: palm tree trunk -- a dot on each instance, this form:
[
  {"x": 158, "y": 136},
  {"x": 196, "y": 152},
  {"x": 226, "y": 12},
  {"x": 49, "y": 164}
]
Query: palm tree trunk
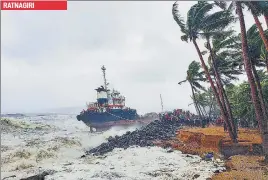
[
  {"x": 261, "y": 31},
  {"x": 201, "y": 110},
  {"x": 225, "y": 118},
  {"x": 210, "y": 108},
  {"x": 258, "y": 111},
  {"x": 195, "y": 103},
  {"x": 258, "y": 23},
  {"x": 259, "y": 89},
  {"x": 225, "y": 101},
  {"x": 204, "y": 111}
]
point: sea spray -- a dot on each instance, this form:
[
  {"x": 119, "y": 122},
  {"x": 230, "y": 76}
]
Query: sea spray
[{"x": 70, "y": 139}]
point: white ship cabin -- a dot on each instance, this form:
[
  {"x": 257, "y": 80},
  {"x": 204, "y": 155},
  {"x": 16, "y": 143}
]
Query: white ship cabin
[
  {"x": 101, "y": 93},
  {"x": 118, "y": 101},
  {"x": 92, "y": 105},
  {"x": 102, "y": 96}
]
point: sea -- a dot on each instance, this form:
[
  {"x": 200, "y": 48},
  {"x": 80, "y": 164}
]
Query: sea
[{"x": 32, "y": 144}]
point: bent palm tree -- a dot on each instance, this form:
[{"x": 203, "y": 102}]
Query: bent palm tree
[
  {"x": 198, "y": 19},
  {"x": 194, "y": 76},
  {"x": 221, "y": 65},
  {"x": 263, "y": 126},
  {"x": 255, "y": 11},
  {"x": 262, "y": 8},
  {"x": 255, "y": 45},
  {"x": 257, "y": 8}
]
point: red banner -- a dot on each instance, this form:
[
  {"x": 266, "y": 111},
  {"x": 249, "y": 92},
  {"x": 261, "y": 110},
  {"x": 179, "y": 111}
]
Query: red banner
[{"x": 34, "y": 5}]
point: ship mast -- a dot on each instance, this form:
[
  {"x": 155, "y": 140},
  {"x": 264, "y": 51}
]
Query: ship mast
[
  {"x": 161, "y": 103},
  {"x": 104, "y": 77}
]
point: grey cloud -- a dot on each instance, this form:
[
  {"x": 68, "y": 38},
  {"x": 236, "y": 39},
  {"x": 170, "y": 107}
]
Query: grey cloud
[{"x": 53, "y": 58}]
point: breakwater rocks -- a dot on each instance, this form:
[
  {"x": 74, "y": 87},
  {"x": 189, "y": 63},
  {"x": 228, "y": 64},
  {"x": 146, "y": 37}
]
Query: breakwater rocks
[{"x": 156, "y": 130}]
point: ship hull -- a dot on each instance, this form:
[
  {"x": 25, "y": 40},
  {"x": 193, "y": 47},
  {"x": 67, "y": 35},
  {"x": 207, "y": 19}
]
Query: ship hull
[{"x": 104, "y": 121}]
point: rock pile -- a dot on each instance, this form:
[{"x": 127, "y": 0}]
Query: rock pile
[{"x": 156, "y": 130}]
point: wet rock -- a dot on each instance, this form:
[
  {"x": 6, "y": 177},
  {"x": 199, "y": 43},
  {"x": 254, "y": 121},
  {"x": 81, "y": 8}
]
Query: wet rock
[
  {"x": 13, "y": 176},
  {"x": 170, "y": 150},
  {"x": 217, "y": 171},
  {"x": 37, "y": 177},
  {"x": 156, "y": 130},
  {"x": 196, "y": 176},
  {"x": 40, "y": 176}
]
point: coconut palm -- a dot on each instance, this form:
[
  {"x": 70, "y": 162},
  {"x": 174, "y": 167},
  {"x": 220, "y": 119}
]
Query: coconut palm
[
  {"x": 255, "y": 47},
  {"x": 255, "y": 11},
  {"x": 198, "y": 22},
  {"x": 194, "y": 77},
  {"x": 223, "y": 64},
  {"x": 257, "y": 8},
  {"x": 262, "y": 121},
  {"x": 262, "y": 8}
]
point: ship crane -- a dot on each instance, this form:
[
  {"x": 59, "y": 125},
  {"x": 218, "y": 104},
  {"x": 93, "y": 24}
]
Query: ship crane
[
  {"x": 104, "y": 77},
  {"x": 162, "y": 106}
]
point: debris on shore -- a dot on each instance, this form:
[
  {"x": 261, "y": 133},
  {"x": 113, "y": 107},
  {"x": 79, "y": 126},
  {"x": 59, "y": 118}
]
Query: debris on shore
[{"x": 156, "y": 130}]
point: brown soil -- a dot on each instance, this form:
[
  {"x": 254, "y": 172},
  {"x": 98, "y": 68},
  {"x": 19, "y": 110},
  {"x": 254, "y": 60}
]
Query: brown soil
[
  {"x": 244, "y": 167},
  {"x": 239, "y": 167},
  {"x": 251, "y": 135}
]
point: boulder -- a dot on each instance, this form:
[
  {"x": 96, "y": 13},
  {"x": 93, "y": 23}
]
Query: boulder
[{"x": 156, "y": 130}]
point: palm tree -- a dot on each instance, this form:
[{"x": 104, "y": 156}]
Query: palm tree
[
  {"x": 262, "y": 8},
  {"x": 248, "y": 68},
  {"x": 255, "y": 11},
  {"x": 254, "y": 45},
  {"x": 194, "y": 76},
  {"x": 226, "y": 49},
  {"x": 257, "y": 8},
  {"x": 221, "y": 65},
  {"x": 198, "y": 19}
]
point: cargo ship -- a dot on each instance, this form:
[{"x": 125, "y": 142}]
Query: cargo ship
[{"x": 109, "y": 110}]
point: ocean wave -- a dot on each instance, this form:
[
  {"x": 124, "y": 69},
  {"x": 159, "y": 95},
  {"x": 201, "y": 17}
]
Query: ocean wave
[
  {"x": 8, "y": 124},
  {"x": 59, "y": 147}
]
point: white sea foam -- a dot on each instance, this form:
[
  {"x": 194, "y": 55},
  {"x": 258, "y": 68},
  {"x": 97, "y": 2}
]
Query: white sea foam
[{"x": 59, "y": 148}]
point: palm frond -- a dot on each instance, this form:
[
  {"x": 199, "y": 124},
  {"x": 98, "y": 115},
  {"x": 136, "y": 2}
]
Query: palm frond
[
  {"x": 182, "y": 81},
  {"x": 198, "y": 86},
  {"x": 195, "y": 16},
  {"x": 221, "y": 4},
  {"x": 184, "y": 38},
  {"x": 178, "y": 18},
  {"x": 231, "y": 6},
  {"x": 217, "y": 21}
]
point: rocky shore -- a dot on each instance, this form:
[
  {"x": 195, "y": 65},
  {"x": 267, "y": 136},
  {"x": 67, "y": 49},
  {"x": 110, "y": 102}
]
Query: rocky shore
[{"x": 156, "y": 130}]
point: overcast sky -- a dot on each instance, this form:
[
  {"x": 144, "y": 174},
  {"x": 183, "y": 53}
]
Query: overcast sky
[{"x": 52, "y": 59}]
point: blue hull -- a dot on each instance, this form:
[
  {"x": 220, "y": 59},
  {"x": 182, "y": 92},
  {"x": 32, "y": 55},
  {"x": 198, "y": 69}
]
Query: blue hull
[{"x": 99, "y": 119}]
